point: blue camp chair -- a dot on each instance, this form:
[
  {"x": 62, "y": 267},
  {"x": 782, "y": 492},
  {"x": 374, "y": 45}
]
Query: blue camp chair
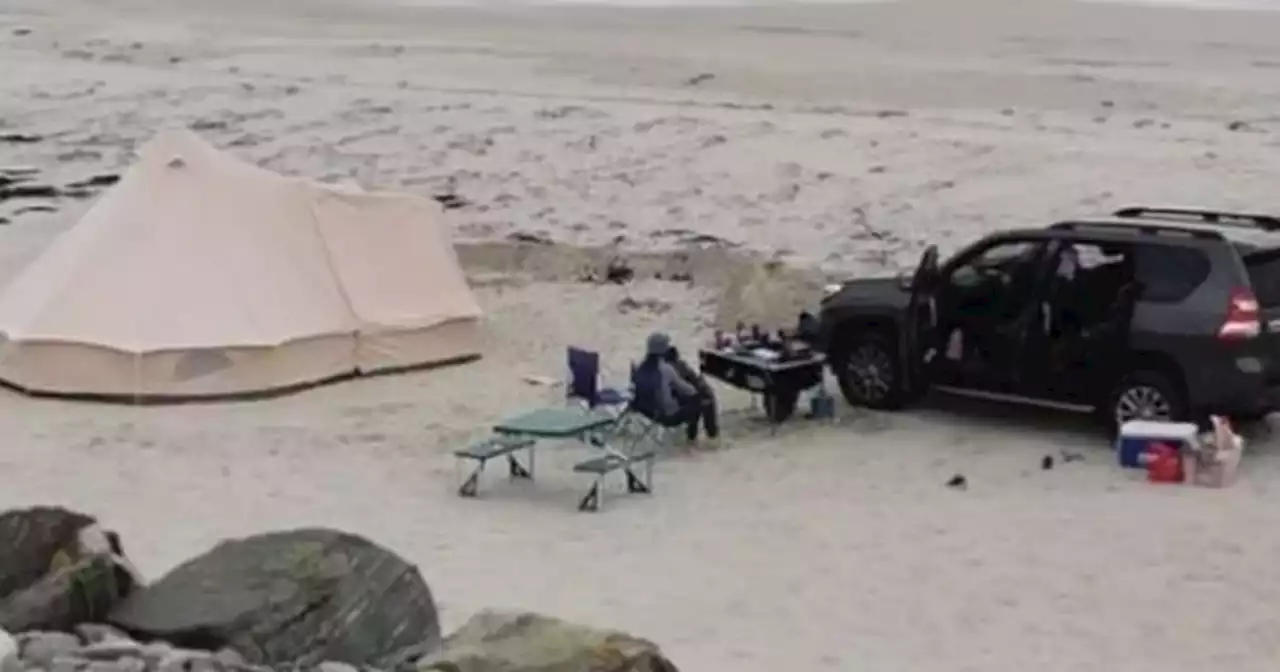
[{"x": 583, "y": 385}]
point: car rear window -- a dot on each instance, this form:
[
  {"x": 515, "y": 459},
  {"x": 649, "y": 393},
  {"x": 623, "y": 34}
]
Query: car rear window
[
  {"x": 1264, "y": 275},
  {"x": 1169, "y": 273}
]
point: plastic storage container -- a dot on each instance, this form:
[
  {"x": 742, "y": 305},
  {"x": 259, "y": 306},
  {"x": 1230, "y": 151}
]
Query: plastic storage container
[
  {"x": 1218, "y": 473},
  {"x": 1217, "y": 462},
  {"x": 1136, "y": 435}
]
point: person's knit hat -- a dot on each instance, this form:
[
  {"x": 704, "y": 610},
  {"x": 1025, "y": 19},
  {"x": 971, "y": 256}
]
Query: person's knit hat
[{"x": 658, "y": 343}]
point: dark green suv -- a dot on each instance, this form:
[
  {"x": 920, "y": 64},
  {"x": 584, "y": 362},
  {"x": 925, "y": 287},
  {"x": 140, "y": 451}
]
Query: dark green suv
[{"x": 1152, "y": 313}]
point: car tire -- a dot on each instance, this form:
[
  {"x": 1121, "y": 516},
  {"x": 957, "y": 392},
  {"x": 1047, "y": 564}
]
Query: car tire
[
  {"x": 1146, "y": 395},
  {"x": 870, "y": 373}
]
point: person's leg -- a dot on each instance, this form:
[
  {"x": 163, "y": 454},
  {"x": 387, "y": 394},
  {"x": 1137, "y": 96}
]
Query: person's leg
[
  {"x": 691, "y": 410},
  {"x": 687, "y": 415},
  {"x": 710, "y": 417}
]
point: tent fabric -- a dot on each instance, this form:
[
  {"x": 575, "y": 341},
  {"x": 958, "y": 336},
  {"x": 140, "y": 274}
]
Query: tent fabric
[{"x": 199, "y": 274}]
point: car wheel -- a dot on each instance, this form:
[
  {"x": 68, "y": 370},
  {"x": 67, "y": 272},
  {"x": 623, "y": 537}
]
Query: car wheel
[
  {"x": 1146, "y": 395},
  {"x": 869, "y": 373}
]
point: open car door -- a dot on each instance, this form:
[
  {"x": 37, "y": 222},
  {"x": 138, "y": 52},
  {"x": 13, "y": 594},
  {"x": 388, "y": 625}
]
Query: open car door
[{"x": 920, "y": 324}]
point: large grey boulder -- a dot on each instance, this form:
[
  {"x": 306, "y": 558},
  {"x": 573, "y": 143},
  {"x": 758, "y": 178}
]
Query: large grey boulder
[
  {"x": 30, "y": 538},
  {"x": 299, "y": 597},
  {"x": 9, "y": 661},
  {"x": 59, "y": 568},
  {"x": 497, "y": 641}
]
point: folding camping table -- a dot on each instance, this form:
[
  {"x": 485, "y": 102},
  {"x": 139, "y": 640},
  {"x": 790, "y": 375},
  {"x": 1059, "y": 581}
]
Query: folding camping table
[
  {"x": 590, "y": 427},
  {"x": 780, "y": 382}
]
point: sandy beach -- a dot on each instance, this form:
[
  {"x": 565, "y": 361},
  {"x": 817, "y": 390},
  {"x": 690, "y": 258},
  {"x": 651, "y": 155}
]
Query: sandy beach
[{"x": 838, "y": 139}]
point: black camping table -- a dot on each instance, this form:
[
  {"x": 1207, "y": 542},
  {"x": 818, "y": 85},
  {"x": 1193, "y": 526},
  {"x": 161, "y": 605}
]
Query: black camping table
[{"x": 778, "y": 381}]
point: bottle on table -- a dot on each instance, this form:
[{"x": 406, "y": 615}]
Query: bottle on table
[{"x": 783, "y": 344}]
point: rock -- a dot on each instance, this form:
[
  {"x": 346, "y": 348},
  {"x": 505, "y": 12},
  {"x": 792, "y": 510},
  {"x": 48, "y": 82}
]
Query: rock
[
  {"x": 33, "y": 208},
  {"x": 618, "y": 272},
  {"x": 40, "y": 648},
  {"x": 23, "y": 172},
  {"x": 155, "y": 653},
  {"x": 32, "y": 536},
  {"x": 495, "y": 641},
  {"x": 6, "y": 180},
  {"x": 451, "y": 201},
  {"x": 95, "y": 633},
  {"x": 9, "y": 661},
  {"x": 229, "y": 657},
  {"x": 531, "y": 238},
  {"x": 112, "y": 650},
  {"x": 59, "y": 569},
  {"x": 99, "y": 180},
  {"x": 68, "y": 664},
  {"x": 699, "y": 78},
  {"x": 121, "y": 665},
  {"x": 84, "y": 591},
  {"x": 298, "y": 597},
  {"x": 29, "y": 191},
  {"x": 333, "y": 666},
  {"x": 189, "y": 663}
]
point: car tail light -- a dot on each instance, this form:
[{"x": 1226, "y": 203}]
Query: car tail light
[{"x": 1242, "y": 317}]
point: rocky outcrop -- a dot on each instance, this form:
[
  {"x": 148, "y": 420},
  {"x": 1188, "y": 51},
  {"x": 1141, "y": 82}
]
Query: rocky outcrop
[
  {"x": 101, "y": 648},
  {"x": 59, "y": 569},
  {"x": 496, "y": 641},
  {"x": 299, "y": 597},
  {"x": 311, "y": 600}
]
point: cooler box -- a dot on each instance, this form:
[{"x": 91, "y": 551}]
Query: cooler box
[{"x": 1136, "y": 435}]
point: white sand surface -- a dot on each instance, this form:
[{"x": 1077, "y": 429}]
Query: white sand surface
[{"x": 842, "y": 137}]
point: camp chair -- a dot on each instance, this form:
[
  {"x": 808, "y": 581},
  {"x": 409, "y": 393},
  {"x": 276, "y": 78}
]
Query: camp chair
[{"x": 583, "y": 385}]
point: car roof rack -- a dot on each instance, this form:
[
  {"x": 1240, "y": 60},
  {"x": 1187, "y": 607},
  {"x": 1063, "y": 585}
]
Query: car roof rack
[
  {"x": 1214, "y": 217},
  {"x": 1134, "y": 227}
]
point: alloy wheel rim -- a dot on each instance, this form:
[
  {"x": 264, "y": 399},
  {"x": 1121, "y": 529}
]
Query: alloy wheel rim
[
  {"x": 1142, "y": 402},
  {"x": 870, "y": 371}
]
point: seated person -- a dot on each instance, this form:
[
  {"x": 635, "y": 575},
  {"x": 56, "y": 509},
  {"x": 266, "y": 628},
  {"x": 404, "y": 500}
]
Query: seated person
[
  {"x": 705, "y": 397},
  {"x": 667, "y": 397}
]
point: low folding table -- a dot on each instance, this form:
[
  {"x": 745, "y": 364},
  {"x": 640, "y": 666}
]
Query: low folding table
[{"x": 592, "y": 428}]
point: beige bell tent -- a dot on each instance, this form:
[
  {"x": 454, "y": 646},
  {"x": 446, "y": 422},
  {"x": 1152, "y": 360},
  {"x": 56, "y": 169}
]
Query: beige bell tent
[{"x": 199, "y": 275}]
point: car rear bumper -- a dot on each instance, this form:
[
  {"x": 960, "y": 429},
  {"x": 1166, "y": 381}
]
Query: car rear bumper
[{"x": 1230, "y": 390}]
